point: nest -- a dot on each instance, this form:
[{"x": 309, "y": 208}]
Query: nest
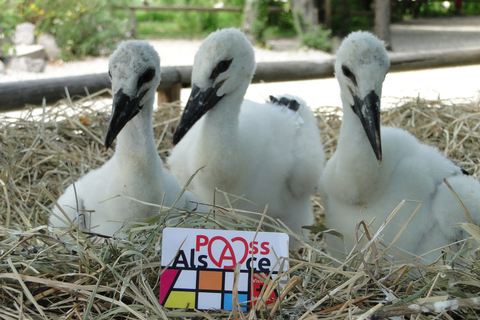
[{"x": 65, "y": 274}]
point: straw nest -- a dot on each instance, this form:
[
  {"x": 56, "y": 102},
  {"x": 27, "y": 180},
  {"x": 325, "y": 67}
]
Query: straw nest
[{"x": 52, "y": 274}]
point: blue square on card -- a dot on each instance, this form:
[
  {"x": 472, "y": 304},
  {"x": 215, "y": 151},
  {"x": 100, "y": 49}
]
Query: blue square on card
[{"x": 227, "y": 301}]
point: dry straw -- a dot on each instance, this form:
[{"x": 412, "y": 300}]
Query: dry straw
[{"x": 69, "y": 275}]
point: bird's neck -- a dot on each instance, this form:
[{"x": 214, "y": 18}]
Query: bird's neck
[
  {"x": 221, "y": 125},
  {"x": 219, "y": 142},
  {"x": 356, "y": 163},
  {"x": 136, "y": 142},
  {"x": 353, "y": 138}
]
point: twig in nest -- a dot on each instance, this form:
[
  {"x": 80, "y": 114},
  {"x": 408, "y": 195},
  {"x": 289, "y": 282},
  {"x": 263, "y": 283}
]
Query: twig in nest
[
  {"x": 339, "y": 306},
  {"x": 288, "y": 287},
  {"x": 428, "y": 307}
]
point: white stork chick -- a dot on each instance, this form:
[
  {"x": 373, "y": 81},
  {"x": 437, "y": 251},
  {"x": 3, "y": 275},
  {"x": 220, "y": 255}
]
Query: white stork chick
[
  {"x": 267, "y": 153},
  {"x": 374, "y": 168},
  {"x": 135, "y": 170}
]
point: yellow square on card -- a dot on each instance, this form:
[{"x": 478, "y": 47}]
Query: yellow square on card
[{"x": 181, "y": 299}]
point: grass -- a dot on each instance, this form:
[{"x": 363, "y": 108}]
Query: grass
[
  {"x": 65, "y": 273},
  {"x": 168, "y": 24},
  {"x": 152, "y": 25}
]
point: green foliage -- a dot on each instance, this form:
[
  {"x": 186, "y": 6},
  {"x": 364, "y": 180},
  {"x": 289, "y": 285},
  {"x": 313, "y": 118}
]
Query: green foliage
[
  {"x": 435, "y": 9},
  {"x": 273, "y": 32},
  {"x": 344, "y": 24},
  {"x": 82, "y": 28},
  {"x": 319, "y": 38},
  {"x": 470, "y": 8},
  {"x": 271, "y": 24},
  {"x": 9, "y": 18},
  {"x": 188, "y": 24},
  {"x": 402, "y": 9},
  {"x": 260, "y": 23}
]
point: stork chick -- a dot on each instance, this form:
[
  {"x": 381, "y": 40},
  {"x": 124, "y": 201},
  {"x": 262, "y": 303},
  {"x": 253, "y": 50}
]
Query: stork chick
[
  {"x": 375, "y": 168},
  {"x": 135, "y": 170},
  {"x": 267, "y": 153}
]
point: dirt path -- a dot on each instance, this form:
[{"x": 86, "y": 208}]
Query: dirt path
[{"x": 436, "y": 33}]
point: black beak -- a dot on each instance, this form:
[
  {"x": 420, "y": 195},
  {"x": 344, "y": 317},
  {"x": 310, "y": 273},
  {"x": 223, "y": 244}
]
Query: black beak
[
  {"x": 198, "y": 104},
  {"x": 368, "y": 110},
  {"x": 124, "y": 109}
]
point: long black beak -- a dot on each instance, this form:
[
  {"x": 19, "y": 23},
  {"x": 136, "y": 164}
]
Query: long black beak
[
  {"x": 124, "y": 109},
  {"x": 368, "y": 110},
  {"x": 198, "y": 104}
]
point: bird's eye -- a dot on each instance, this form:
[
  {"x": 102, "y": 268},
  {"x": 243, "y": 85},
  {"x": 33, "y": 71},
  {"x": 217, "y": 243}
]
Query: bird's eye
[
  {"x": 349, "y": 74},
  {"x": 146, "y": 77},
  {"x": 222, "y": 66}
]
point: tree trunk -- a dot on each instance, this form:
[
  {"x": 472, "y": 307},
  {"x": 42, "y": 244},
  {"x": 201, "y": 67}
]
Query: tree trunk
[
  {"x": 382, "y": 21},
  {"x": 305, "y": 14},
  {"x": 248, "y": 18},
  {"x": 345, "y": 17},
  {"x": 328, "y": 14}
]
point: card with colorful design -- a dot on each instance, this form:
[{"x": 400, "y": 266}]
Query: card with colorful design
[{"x": 198, "y": 268}]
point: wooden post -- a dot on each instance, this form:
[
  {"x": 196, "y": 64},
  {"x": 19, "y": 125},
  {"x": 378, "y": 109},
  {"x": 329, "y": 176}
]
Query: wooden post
[
  {"x": 249, "y": 15},
  {"x": 345, "y": 17},
  {"x": 133, "y": 21},
  {"x": 328, "y": 14},
  {"x": 171, "y": 94},
  {"x": 382, "y": 21}
]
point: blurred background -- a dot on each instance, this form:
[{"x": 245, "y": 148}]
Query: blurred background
[
  {"x": 53, "y": 39},
  {"x": 94, "y": 27}
]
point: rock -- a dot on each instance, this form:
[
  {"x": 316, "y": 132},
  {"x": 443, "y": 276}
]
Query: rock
[
  {"x": 51, "y": 47},
  {"x": 36, "y": 65},
  {"x": 25, "y": 33},
  {"x": 2, "y": 68},
  {"x": 28, "y": 58},
  {"x": 18, "y": 64},
  {"x": 27, "y": 64},
  {"x": 34, "y": 51}
]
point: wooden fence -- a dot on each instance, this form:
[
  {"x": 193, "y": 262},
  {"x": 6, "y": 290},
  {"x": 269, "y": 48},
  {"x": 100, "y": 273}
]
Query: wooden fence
[{"x": 16, "y": 95}]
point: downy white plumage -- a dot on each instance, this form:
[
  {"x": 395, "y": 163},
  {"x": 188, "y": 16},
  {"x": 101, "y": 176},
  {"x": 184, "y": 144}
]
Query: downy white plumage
[
  {"x": 135, "y": 170},
  {"x": 358, "y": 184},
  {"x": 266, "y": 153}
]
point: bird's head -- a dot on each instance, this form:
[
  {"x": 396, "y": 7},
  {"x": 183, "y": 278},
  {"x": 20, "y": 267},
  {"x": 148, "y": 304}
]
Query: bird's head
[
  {"x": 360, "y": 68},
  {"x": 134, "y": 69},
  {"x": 224, "y": 63}
]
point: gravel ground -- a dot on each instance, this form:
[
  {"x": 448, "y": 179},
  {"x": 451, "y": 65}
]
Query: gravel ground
[
  {"x": 414, "y": 35},
  {"x": 436, "y": 33}
]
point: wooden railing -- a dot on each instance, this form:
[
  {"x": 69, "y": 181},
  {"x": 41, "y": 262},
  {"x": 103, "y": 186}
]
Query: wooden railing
[{"x": 16, "y": 95}]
